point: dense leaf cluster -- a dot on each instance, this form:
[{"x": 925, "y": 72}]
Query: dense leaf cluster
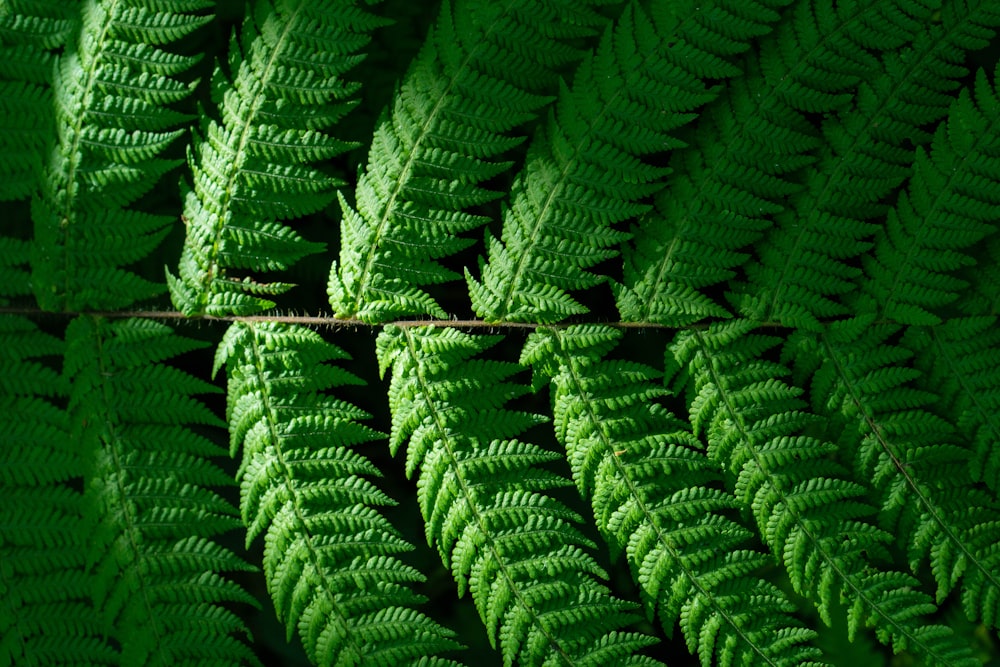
[{"x": 785, "y": 439}]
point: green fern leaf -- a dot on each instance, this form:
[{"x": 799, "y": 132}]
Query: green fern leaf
[
  {"x": 758, "y": 149},
  {"x": 46, "y": 614},
  {"x": 982, "y": 297},
  {"x": 256, "y": 166},
  {"x": 582, "y": 175},
  {"x": 917, "y": 465},
  {"x": 481, "y": 492},
  {"x": 29, "y": 33},
  {"x": 950, "y": 204},
  {"x": 741, "y": 168},
  {"x": 584, "y": 172},
  {"x": 22, "y": 345},
  {"x": 813, "y": 517},
  {"x": 85, "y": 237},
  {"x": 960, "y": 361},
  {"x": 15, "y": 279},
  {"x": 653, "y": 497},
  {"x": 478, "y": 77},
  {"x": 26, "y": 116},
  {"x": 808, "y": 262},
  {"x": 149, "y": 510},
  {"x": 329, "y": 556},
  {"x": 46, "y": 24}
]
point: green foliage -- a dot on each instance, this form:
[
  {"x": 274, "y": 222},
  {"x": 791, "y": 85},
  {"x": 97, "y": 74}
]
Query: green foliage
[
  {"x": 254, "y": 167},
  {"x": 481, "y": 75},
  {"x": 656, "y": 496},
  {"x": 805, "y": 504},
  {"x": 949, "y": 205},
  {"x": 150, "y": 508},
  {"x": 583, "y": 172},
  {"x": 741, "y": 166},
  {"x": 482, "y": 495},
  {"x": 46, "y": 610},
  {"x": 112, "y": 88},
  {"x": 808, "y": 260},
  {"x": 328, "y": 555},
  {"x": 786, "y": 446},
  {"x": 917, "y": 465},
  {"x": 29, "y": 33},
  {"x": 960, "y": 362}
]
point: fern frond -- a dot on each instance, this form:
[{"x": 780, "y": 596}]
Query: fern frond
[
  {"x": 917, "y": 465},
  {"x": 951, "y": 203},
  {"x": 46, "y": 614},
  {"x": 255, "y": 167},
  {"x": 106, "y": 154},
  {"x": 481, "y": 491},
  {"x": 15, "y": 278},
  {"x": 329, "y": 556},
  {"x": 480, "y": 75},
  {"x": 815, "y": 519},
  {"x": 29, "y": 33},
  {"x": 656, "y": 497},
  {"x": 149, "y": 508},
  {"x": 745, "y": 155},
  {"x": 960, "y": 361},
  {"x": 809, "y": 259},
  {"x": 584, "y": 171},
  {"x": 982, "y": 297},
  {"x": 46, "y": 24}
]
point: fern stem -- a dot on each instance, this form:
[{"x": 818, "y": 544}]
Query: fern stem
[{"x": 334, "y": 322}]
